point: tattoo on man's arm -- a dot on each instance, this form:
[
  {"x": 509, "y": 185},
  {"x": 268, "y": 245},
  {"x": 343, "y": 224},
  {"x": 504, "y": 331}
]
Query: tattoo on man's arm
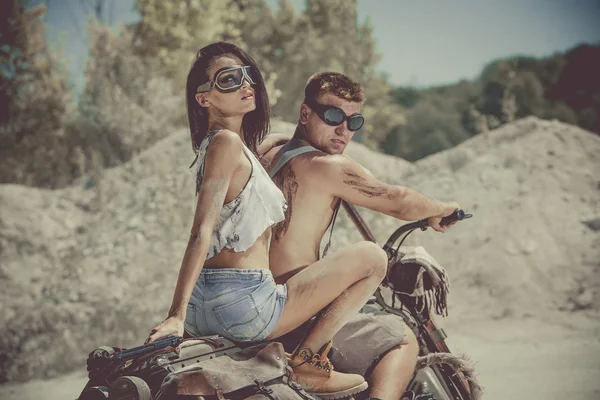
[{"x": 359, "y": 184}]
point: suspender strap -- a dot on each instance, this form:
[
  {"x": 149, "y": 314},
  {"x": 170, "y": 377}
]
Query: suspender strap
[
  {"x": 335, "y": 213},
  {"x": 287, "y": 156}
]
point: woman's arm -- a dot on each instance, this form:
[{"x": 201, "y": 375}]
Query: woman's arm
[
  {"x": 273, "y": 140},
  {"x": 223, "y": 158}
]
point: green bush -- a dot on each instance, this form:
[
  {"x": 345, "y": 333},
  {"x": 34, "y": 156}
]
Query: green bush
[{"x": 565, "y": 87}]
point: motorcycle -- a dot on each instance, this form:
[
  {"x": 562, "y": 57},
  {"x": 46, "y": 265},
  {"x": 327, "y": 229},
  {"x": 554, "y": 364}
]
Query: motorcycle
[
  {"x": 440, "y": 375},
  {"x": 137, "y": 373}
]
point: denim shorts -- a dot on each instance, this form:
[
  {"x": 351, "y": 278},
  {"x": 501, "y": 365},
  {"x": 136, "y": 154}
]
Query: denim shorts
[{"x": 243, "y": 305}]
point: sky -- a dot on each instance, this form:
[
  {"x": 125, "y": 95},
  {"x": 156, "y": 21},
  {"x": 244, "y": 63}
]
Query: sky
[{"x": 421, "y": 42}]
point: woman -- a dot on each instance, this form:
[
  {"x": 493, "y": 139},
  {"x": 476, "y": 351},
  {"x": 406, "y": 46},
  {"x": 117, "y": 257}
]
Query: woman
[{"x": 224, "y": 285}]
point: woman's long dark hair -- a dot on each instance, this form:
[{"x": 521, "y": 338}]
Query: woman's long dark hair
[{"x": 255, "y": 124}]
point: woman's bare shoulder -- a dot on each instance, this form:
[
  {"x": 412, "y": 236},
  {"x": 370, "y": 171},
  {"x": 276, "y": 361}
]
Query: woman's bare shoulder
[
  {"x": 226, "y": 142},
  {"x": 225, "y": 137}
]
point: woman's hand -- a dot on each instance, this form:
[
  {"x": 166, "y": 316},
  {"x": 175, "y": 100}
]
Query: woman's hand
[{"x": 172, "y": 326}]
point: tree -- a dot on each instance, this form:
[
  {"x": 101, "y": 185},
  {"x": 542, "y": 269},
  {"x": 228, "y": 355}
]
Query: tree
[
  {"x": 136, "y": 76},
  {"x": 327, "y": 37},
  {"x": 578, "y": 85},
  {"x": 512, "y": 89},
  {"x": 564, "y": 87},
  {"x": 428, "y": 129},
  {"x": 406, "y": 96},
  {"x": 256, "y": 23},
  {"x": 34, "y": 100},
  {"x": 128, "y": 103},
  {"x": 174, "y": 31},
  {"x": 292, "y": 58}
]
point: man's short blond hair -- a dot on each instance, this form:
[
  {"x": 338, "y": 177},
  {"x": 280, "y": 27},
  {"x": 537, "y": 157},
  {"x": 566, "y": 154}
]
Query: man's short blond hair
[{"x": 335, "y": 83}]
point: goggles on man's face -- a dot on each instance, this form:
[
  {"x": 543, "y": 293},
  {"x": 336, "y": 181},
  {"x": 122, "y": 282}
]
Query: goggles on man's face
[
  {"x": 230, "y": 79},
  {"x": 334, "y": 116}
]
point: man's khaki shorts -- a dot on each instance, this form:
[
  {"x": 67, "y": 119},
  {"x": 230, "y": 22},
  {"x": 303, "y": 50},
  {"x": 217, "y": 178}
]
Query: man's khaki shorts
[{"x": 360, "y": 344}]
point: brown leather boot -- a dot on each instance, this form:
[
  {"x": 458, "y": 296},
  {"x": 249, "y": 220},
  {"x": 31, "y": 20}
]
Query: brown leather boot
[{"x": 315, "y": 374}]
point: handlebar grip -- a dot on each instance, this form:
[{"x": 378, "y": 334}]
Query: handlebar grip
[{"x": 457, "y": 215}]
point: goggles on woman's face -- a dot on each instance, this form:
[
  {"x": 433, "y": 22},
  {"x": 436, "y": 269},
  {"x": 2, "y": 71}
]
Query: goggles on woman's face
[
  {"x": 230, "y": 79},
  {"x": 334, "y": 116}
]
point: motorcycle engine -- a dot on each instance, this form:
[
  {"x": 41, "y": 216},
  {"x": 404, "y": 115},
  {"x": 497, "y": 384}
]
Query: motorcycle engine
[{"x": 427, "y": 386}]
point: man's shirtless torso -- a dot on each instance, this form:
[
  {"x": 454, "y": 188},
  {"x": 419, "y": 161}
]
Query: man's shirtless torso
[{"x": 298, "y": 239}]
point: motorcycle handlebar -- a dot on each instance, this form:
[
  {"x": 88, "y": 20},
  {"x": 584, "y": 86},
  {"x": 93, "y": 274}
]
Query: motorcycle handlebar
[{"x": 457, "y": 215}]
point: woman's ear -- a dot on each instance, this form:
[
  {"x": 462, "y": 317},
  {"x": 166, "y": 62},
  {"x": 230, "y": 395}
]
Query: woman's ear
[
  {"x": 202, "y": 100},
  {"x": 304, "y": 114}
]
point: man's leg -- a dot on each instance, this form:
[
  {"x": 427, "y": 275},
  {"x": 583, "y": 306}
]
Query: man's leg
[
  {"x": 391, "y": 375},
  {"x": 380, "y": 347},
  {"x": 366, "y": 338}
]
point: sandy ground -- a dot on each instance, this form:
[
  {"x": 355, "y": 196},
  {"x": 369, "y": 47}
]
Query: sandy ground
[
  {"x": 529, "y": 360},
  {"x": 525, "y": 360}
]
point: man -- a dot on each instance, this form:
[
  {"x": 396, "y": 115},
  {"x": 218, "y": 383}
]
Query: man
[{"x": 313, "y": 180}]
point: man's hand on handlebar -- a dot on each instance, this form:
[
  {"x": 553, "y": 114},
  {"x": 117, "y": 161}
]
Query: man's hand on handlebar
[
  {"x": 449, "y": 217},
  {"x": 434, "y": 222}
]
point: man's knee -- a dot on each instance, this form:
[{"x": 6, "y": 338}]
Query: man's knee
[
  {"x": 410, "y": 341},
  {"x": 408, "y": 348},
  {"x": 373, "y": 257}
]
